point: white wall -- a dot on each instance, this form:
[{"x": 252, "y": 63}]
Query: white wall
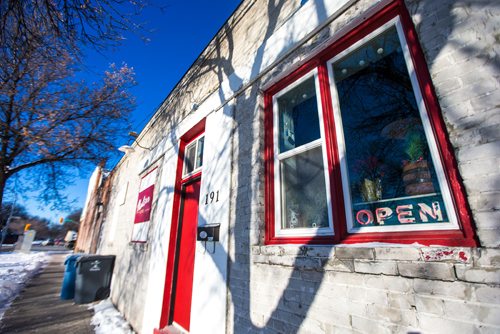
[{"x": 208, "y": 309}]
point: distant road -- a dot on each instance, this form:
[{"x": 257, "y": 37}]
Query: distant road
[
  {"x": 40, "y": 248},
  {"x": 52, "y": 249}
]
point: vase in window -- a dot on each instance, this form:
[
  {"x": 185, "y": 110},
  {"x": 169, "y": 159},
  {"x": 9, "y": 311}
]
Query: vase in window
[
  {"x": 371, "y": 171},
  {"x": 371, "y": 190},
  {"x": 417, "y": 177}
]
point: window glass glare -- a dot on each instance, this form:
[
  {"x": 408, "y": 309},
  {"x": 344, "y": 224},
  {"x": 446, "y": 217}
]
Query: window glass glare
[
  {"x": 391, "y": 175},
  {"x": 303, "y": 191},
  {"x": 199, "y": 152},
  {"x": 189, "y": 160},
  {"x": 298, "y": 116},
  {"x": 194, "y": 156}
]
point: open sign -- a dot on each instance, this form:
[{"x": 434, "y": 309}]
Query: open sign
[{"x": 407, "y": 211}]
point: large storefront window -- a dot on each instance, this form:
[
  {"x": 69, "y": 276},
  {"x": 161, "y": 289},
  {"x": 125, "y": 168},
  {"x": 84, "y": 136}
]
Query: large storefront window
[
  {"x": 389, "y": 173},
  {"x": 354, "y": 148}
]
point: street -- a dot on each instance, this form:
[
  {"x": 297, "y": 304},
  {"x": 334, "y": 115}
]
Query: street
[{"x": 39, "y": 248}]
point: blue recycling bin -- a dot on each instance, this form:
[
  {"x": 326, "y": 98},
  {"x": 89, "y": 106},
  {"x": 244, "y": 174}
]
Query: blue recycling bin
[{"x": 68, "y": 284}]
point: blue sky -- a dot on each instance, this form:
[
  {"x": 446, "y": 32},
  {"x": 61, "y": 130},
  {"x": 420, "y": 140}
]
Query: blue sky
[{"x": 179, "y": 33}]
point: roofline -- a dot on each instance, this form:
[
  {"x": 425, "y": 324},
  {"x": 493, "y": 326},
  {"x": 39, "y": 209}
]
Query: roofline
[{"x": 237, "y": 14}]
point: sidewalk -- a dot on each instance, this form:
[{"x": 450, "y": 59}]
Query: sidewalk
[{"x": 38, "y": 308}]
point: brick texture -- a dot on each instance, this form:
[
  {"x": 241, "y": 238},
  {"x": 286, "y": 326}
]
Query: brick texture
[
  {"x": 320, "y": 289},
  {"x": 328, "y": 289}
]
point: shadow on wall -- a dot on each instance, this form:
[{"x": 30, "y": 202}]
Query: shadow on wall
[
  {"x": 239, "y": 268},
  {"x": 127, "y": 286},
  {"x": 250, "y": 166}
]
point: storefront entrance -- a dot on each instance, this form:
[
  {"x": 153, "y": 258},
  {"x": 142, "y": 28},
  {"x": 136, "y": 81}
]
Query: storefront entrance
[
  {"x": 184, "y": 264},
  {"x": 177, "y": 297}
]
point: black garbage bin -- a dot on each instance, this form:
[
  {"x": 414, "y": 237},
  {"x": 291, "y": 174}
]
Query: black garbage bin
[{"x": 93, "y": 278}]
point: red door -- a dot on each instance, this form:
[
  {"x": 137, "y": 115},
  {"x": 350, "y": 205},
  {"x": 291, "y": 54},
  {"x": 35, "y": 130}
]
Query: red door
[{"x": 183, "y": 280}]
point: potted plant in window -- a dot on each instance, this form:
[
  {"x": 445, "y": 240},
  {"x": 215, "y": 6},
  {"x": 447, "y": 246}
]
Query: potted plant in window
[
  {"x": 416, "y": 174},
  {"x": 371, "y": 172}
]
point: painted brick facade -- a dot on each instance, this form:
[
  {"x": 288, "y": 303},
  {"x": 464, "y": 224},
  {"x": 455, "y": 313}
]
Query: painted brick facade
[{"x": 371, "y": 287}]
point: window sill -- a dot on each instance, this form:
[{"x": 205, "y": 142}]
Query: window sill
[{"x": 427, "y": 238}]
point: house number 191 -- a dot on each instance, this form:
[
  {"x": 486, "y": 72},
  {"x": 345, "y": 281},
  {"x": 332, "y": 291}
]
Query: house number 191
[{"x": 211, "y": 197}]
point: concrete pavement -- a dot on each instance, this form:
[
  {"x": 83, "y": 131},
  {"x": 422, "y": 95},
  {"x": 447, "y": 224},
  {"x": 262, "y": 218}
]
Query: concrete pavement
[{"x": 38, "y": 309}]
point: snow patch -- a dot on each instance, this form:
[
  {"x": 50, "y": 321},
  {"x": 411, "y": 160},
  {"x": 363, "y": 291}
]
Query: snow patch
[
  {"x": 15, "y": 270},
  {"x": 107, "y": 319}
]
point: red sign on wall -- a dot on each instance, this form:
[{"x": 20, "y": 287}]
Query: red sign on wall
[
  {"x": 144, "y": 206},
  {"x": 144, "y": 202}
]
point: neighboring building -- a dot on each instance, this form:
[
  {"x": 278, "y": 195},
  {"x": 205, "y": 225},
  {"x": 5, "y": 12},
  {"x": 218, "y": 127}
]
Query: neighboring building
[
  {"x": 346, "y": 156},
  {"x": 92, "y": 215}
]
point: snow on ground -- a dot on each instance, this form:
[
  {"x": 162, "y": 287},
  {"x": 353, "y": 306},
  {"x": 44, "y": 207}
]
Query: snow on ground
[
  {"x": 15, "y": 270},
  {"x": 107, "y": 320}
]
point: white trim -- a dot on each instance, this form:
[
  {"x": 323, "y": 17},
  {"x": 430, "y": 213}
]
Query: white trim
[
  {"x": 452, "y": 224},
  {"x": 304, "y": 232},
  {"x": 300, "y": 149},
  {"x": 194, "y": 143},
  {"x": 398, "y": 199},
  {"x": 278, "y": 200},
  {"x": 431, "y": 139}
]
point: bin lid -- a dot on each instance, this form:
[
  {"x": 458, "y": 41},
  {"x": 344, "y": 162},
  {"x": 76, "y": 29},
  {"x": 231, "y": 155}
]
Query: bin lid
[
  {"x": 89, "y": 258},
  {"x": 95, "y": 263},
  {"x": 72, "y": 258}
]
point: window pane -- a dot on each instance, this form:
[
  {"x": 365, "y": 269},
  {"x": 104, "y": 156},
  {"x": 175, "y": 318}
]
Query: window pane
[
  {"x": 391, "y": 175},
  {"x": 298, "y": 116},
  {"x": 199, "y": 152},
  {"x": 303, "y": 191},
  {"x": 189, "y": 161}
]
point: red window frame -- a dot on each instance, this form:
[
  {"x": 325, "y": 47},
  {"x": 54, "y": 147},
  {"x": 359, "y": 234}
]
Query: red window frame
[{"x": 465, "y": 236}]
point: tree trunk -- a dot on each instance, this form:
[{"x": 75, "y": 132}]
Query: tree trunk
[{"x": 3, "y": 181}]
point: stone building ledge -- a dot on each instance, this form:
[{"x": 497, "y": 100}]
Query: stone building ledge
[{"x": 477, "y": 265}]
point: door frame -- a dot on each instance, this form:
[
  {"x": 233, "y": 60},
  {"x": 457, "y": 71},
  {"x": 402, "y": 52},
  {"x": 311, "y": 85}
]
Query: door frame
[
  {"x": 178, "y": 256},
  {"x": 166, "y": 313}
]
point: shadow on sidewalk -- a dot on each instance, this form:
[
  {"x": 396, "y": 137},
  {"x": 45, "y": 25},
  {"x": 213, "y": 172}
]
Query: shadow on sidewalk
[{"x": 38, "y": 309}]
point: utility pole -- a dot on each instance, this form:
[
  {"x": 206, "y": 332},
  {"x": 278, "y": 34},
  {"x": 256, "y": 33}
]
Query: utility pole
[
  {"x": 4, "y": 230},
  {"x": 6, "y": 227}
]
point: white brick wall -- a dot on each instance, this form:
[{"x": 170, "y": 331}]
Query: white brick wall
[
  {"x": 458, "y": 40},
  {"x": 326, "y": 289},
  {"x": 454, "y": 285},
  {"x": 392, "y": 289}
]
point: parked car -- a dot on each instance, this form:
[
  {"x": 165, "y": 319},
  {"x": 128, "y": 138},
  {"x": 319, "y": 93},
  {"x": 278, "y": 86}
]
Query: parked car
[
  {"x": 70, "y": 239},
  {"x": 48, "y": 242}
]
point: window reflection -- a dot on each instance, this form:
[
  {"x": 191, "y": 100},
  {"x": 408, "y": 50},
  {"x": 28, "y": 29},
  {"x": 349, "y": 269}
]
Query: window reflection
[
  {"x": 193, "y": 157},
  {"x": 303, "y": 188},
  {"x": 298, "y": 116},
  {"x": 302, "y": 172},
  {"x": 391, "y": 176}
]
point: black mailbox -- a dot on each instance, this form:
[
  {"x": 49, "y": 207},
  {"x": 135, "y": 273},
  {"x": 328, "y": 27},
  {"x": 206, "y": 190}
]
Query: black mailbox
[{"x": 209, "y": 232}]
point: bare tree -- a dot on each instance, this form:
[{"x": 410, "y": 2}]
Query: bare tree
[
  {"x": 50, "y": 120},
  {"x": 98, "y": 23},
  {"x": 74, "y": 216}
]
